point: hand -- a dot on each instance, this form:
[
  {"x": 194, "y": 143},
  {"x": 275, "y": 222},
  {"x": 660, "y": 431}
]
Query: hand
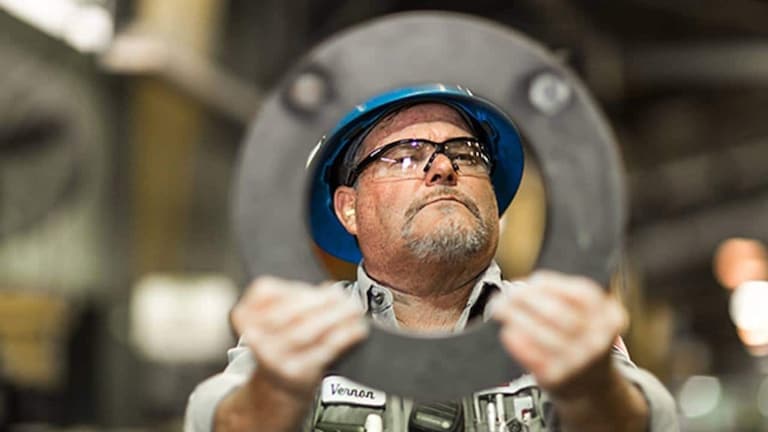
[
  {"x": 561, "y": 328},
  {"x": 296, "y": 330}
]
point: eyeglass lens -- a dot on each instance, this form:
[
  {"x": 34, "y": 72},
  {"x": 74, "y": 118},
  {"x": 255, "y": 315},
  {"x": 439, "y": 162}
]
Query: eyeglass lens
[{"x": 409, "y": 158}]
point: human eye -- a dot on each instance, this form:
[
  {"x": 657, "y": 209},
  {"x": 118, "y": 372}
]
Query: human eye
[
  {"x": 464, "y": 152},
  {"x": 468, "y": 153},
  {"x": 408, "y": 152},
  {"x": 469, "y": 160}
]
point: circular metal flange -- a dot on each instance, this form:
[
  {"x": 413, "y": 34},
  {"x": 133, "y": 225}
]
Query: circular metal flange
[{"x": 562, "y": 126}]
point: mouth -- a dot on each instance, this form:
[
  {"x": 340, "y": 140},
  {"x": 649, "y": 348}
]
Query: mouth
[
  {"x": 448, "y": 198},
  {"x": 444, "y": 199},
  {"x": 445, "y": 196}
]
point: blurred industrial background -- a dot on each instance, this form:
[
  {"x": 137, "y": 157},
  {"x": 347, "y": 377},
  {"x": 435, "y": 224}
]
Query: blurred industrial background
[{"x": 120, "y": 123}]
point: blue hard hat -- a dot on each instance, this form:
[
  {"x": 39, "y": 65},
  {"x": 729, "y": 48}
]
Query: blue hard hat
[{"x": 329, "y": 160}]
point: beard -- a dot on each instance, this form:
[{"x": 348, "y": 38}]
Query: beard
[{"x": 451, "y": 239}]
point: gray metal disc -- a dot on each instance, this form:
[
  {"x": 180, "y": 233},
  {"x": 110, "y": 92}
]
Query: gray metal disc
[
  {"x": 561, "y": 124},
  {"x": 46, "y": 148}
]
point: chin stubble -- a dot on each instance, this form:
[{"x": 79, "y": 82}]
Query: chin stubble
[{"x": 451, "y": 240}]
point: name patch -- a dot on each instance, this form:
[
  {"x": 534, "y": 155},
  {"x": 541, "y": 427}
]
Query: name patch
[{"x": 337, "y": 389}]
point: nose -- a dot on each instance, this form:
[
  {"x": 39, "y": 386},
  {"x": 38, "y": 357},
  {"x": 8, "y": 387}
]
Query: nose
[{"x": 441, "y": 171}]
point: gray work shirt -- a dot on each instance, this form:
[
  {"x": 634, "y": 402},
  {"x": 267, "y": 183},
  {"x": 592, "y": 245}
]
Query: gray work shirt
[{"x": 377, "y": 301}]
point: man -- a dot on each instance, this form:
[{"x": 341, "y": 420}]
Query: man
[{"x": 413, "y": 181}]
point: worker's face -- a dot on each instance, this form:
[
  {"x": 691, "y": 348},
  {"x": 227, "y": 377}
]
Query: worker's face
[{"x": 443, "y": 216}]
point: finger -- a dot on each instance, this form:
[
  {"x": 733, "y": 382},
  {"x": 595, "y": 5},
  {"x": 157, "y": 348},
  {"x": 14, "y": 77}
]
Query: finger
[
  {"x": 264, "y": 348},
  {"x": 541, "y": 332},
  {"x": 334, "y": 344},
  {"x": 314, "y": 329},
  {"x": 261, "y": 294},
  {"x": 550, "y": 370},
  {"x": 503, "y": 302},
  {"x": 520, "y": 347},
  {"x": 498, "y": 305},
  {"x": 298, "y": 305},
  {"x": 618, "y": 315},
  {"x": 593, "y": 344},
  {"x": 264, "y": 289},
  {"x": 577, "y": 290},
  {"x": 268, "y": 289},
  {"x": 552, "y": 309},
  {"x": 303, "y": 333},
  {"x": 602, "y": 333},
  {"x": 309, "y": 366}
]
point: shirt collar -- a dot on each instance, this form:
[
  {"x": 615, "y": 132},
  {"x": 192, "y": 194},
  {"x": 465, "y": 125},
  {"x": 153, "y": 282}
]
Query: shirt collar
[{"x": 368, "y": 289}]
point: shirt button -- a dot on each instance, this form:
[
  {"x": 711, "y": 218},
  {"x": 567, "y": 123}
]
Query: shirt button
[{"x": 378, "y": 298}]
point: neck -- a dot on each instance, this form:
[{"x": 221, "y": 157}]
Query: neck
[{"x": 428, "y": 297}]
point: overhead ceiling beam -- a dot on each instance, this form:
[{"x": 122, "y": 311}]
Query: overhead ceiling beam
[
  {"x": 668, "y": 247},
  {"x": 698, "y": 181},
  {"x": 742, "y": 64}
]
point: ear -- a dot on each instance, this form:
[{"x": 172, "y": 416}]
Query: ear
[{"x": 344, "y": 199}]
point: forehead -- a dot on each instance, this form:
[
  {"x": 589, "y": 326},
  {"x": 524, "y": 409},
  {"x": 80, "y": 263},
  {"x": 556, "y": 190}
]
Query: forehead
[{"x": 413, "y": 115}]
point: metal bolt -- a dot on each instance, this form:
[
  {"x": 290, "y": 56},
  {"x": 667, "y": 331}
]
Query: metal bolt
[
  {"x": 308, "y": 91},
  {"x": 378, "y": 298},
  {"x": 549, "y": 93}
]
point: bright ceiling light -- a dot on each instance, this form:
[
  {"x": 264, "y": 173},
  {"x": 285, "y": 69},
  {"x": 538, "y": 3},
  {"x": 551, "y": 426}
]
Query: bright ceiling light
[
  {"x": 89, "y": 29},
  {"x": 86, "y": 27},
  {"x": 47, "y": 15},
  {"x": 740, "y": 259},
  {"x": 749, "y": 304}
]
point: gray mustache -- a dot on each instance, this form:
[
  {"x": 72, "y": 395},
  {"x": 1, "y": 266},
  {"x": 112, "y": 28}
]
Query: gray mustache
[{"x": 443, "y": 192}]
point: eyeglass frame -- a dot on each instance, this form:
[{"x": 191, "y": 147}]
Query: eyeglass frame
[{"x": 440, "y": 148}]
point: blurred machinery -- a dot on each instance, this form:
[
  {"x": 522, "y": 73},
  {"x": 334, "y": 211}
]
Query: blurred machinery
[{"x": 54, "y": 242}]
